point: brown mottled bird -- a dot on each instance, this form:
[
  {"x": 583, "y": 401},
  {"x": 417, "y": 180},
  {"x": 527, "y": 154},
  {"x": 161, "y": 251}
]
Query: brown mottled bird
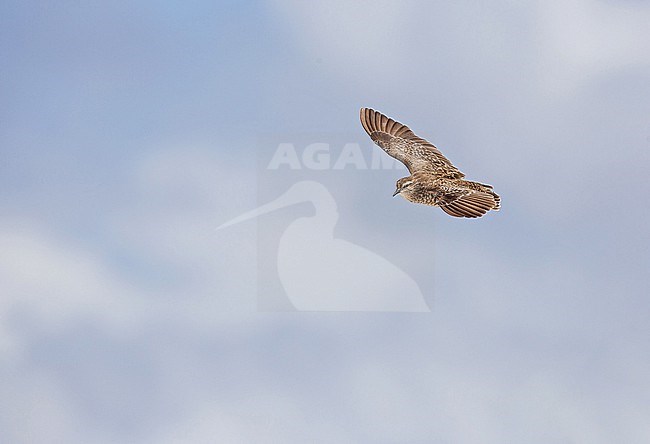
[{"x": 433, "y": 180}]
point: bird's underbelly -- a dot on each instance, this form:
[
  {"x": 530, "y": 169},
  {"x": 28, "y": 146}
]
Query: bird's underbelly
[{"x": 428, "y": 197}]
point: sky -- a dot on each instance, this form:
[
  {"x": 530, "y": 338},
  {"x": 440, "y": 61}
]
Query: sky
[{"x": 131, "y": 131}]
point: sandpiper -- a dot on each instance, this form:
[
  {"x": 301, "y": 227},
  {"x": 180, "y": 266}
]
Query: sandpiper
[{"x": 434, "y": 180}]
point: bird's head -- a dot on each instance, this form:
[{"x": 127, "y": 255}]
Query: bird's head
[{"x": 403, "y": 184}]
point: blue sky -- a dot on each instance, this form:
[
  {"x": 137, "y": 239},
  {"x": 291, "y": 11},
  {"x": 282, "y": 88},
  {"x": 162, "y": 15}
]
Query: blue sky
[{"x": 130, "y": 130}]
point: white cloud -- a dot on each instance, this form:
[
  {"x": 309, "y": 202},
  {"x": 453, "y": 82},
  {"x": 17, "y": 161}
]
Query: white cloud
[
  {"x": 567, "y": 42},
  {"x": 352, "y": 37},
  {"x": 180, "y": 195},
  {"x": 35, "y": 409},
  {"x": 265, "y": 418},
  {"x": 54, "y": 282},
  {"x": 583, "y": 39},
  {"x": 178, "y": 199}
]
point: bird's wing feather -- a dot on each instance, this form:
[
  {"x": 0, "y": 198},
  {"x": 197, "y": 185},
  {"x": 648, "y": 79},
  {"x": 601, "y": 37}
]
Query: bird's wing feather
[
  {"x": 402, "y": 144},
  {"x": 470, "y": 204}
]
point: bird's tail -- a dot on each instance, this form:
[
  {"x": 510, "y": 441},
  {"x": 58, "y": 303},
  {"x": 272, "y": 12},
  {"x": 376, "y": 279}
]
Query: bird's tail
[
  {"x": 485, "y": 188},
  {"x": 497, "y": 201}
]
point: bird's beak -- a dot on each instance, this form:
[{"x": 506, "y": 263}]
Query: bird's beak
[{"x": 396, "y": 192}]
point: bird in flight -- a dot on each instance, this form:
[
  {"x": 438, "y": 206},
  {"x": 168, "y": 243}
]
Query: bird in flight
[{"x": 434, "y": 180}]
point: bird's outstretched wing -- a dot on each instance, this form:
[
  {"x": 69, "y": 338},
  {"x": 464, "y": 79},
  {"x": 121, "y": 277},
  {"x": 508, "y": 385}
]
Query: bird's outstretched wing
[{"x": 402, "y": 144}]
